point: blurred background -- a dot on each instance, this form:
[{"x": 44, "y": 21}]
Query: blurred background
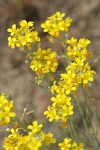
[{"x": 15, "y": 74}]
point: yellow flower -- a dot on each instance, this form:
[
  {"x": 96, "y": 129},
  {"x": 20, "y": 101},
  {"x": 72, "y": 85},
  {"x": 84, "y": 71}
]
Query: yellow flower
[
  {"x": 33, "y": 144},
  {"x": 83, "y": 72},
  {"x": 87, "y": 74},
  {"x": 38, "y": 138},
  {"x": 25, "y": 25},
  {"x": 67, "y": 84},
  {"x": 69, "y": 145},
  {"x": 51, "y": 113},
  {"x": 11, "y": 42},
  {"x": 61, "y": 108},
  {"x": 35, "y": 139},
  {"x": 48, "y": 138},
  {"x": 35, "y": 127},
  {"x": 23, "y": 37},
  {"x": 13, "y": 30},
  {"x": 55, "y": 24},
  {"x": 15, "y": 141},
  {"x": 6, "y": 110},
  {"x": 77, "y": 50},
  {"x": 44, "y": 61},
  {"x": 83, "y": 43}
]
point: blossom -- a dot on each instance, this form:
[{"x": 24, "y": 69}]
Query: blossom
[
  {"x": 68, "y": 144},
  {"x": 15, "y": 141},
  {"x": 44, "y": 61},
  {"x": 35, "y": 128},
  {"x": 11, "y": 42},
  {"x": 77, "y": 73},
  {"x": 25, "y": 25},
  {"x": 13, "y": 30},
  {"x": 35, "y": 139},
  {"x": 84, "y": 74},
  {"x": 6, "y": 110},
  {"x": 61, "y": 108},
  {"x": 78, "y": 49},
  {"x": 56, "y": 25},
  {"x": 36, "y": 133},
  {"x": 23, "y": 37},
  {"x": 66, "y": 85}
]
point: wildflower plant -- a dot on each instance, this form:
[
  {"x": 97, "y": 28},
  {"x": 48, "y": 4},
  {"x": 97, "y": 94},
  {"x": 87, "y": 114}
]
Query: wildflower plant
[{"x": 64, "y": 92}]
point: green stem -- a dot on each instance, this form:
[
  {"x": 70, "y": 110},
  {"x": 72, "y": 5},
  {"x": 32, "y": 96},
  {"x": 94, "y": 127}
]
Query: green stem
[
  {"x": 65, "y": 50},
  {"x": 21, "y": 125},
  {"x": 81, "y": 113},
  {"x": 72, "y": 129},
  {"x": 60, "y": 130},
  {"x": 66, "y": 56},
  {"x": 95, "y": 137}
]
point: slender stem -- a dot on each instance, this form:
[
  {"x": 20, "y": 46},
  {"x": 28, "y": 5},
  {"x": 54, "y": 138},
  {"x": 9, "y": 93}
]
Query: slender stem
[
  {"x": 21, "y": 124},
  {"x": 95, "y": 137},
  {"x": 64, "y": 45},
  {"x": 81, "y": 113},
  {"x": 72, "y": 129},
  {"x": 60, "y": 130},
  {"x": 66, "y": 56}
]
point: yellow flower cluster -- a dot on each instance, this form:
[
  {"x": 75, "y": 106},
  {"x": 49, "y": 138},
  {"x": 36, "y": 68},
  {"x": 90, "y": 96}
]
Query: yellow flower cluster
[
  {"x": 61, "y": 108},
  {"x": 56, "y": 25},
  {"x": 15, "y": 141},
  {"x": 77, "y": 73},
  {"x": 44, "y": 61},
  {"x": 77, "y": 50},
  {"x": 24, "y": 36},
  {"x": 35, "y": 140},
  {"x": 69, "y": 145},
  {"x": 6, "y": 110},
  {"x": 83, "y": 73},
  {"x": 78, "y": 53}
]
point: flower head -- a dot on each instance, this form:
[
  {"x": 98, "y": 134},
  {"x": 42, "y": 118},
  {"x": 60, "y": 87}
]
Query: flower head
[
  {"x": 6, "y": 110},
  {"x": 23, "y": 37},
  {"x": 61, "y": 108},
  {"x": 56, "y": 25},
  {"x": 36, "y": 139},
  {"x": 68, "y": 144},
  {"x": 44, "y": 61},
  {"x": 78, "y": 49}
]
